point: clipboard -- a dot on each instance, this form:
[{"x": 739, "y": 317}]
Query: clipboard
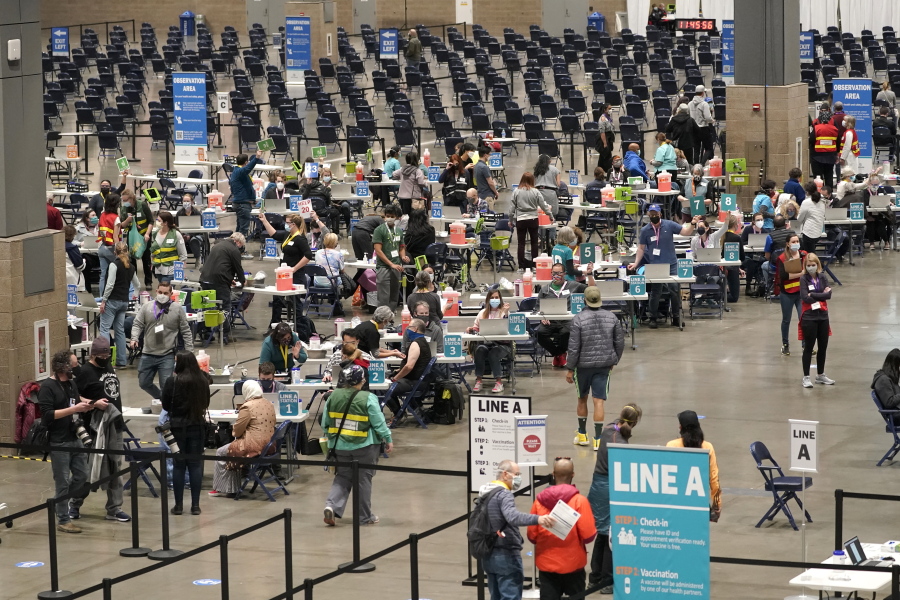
[{"x": 793, "y": 266}]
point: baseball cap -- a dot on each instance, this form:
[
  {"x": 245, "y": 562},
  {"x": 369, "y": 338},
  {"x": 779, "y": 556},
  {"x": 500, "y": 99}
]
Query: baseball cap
[
  {"x": 654, "y": 207},
  {"x": 592, "y": 297},
  {"x": 699, "y": 89},
  {"x": 351, "y": 375},
  {"x": 100, "y": 346}
]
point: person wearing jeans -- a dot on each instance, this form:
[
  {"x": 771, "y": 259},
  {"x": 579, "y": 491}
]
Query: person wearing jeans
[
  {"x": 526, "y": 200},
  {"x": 242, "y": 192},
  {"x": 121, "y": 276},
  {"x": 814, "y": 327},
  {"x": 789, "y": 283}
]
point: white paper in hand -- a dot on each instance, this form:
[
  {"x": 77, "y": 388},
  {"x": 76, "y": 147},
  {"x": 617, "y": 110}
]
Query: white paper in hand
[{"x": 565, "y": 517}]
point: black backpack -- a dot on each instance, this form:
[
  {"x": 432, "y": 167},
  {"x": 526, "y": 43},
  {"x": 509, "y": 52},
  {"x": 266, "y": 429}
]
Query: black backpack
[
  {"x": 482, "y": 536},
  {"x": 38, "y": 435}
]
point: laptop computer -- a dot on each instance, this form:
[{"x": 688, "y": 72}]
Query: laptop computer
[
  {"x": 659, "y": 271},
  {"x": 458, "y": 325},
  {"x": 135, "y": 170},
  {"x": 493, "y": 327},
  {"x": 858, "y": 556},
  {"x": 555, "y": 306},
  {"x": 213, "y": 157},
  {"x": 708, "y": 255},
  {"x": 757, "y": 240},
  {"x": 190, "y": 222},
  {"x": 87, "y": 300},
  {"x": 881, "y": 201},
  {"x": 90, "y": 243},
  {"x": 611, "y": 289},
  {"x": 836, "y": 214}
]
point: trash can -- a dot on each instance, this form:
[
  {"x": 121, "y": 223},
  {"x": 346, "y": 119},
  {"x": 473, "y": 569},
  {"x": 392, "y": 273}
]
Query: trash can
[
  {"x": 187, "y": 23},
  {"x": 598, "y": 21}
]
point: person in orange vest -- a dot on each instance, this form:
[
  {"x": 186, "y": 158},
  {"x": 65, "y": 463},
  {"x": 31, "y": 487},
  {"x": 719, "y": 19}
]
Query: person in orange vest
[
  {"x": 561, "y": 562},
  {"x": 787, "y": 286},
  {"x": 824, "y": 142},
  {"x": 849, "y": 151},
  {"x": 110, "y": 231}
]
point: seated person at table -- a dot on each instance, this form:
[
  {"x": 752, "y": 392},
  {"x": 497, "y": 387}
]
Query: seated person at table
[
  {"x": 886, "y": 383},
  {"x": 331, "y": 259},
  {"x": 490, "y": 352},
  {"x": 322, "y": 202},
  {"x": 193, "y": 242},
  {"x": 317, "y": 231},
  {"x": 282, "y": 348},
  {"x": 754, "y": 261},
  {"x": 788, "y": 207},
  {"x": 634, "y": 164},
  {"x": 350, "y": 339},
  {"x": 425, "y": 292},
  {"x": 418, "y": 235},
  {"x": 474, "y": 205},
  {"x": 553, "y": 336},
  {"x": 705, "y": 238},
  {"x": 277, "y": 190},
  {"x": 266, "y": 378},
  {"x": 369, "y": 336},
  {"x": 695, "y": 185},
  {"x": 432, "y": 330},
  {"x": 618, "y": 175},
  {"x": 413, "y": 366},
  {"x": 598, "y": 182},
  {"x": 563, "y": 252}
]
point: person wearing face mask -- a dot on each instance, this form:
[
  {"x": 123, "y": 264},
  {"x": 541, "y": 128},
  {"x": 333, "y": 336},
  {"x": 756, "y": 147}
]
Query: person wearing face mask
[
  {"x": 813, "y": 326},
  {"x": 432, "y": 329},
  {"x": 283, "y": 349},
  {"x": 424, "y": 293},
  {"x": 617, "y": 174},
  {"x": 503, "y": 566},
  {"x": 617, "y": 432},
  {"x": 160, "y": 322},
  {"x": 490, "y": 352},
  {"x": 823, "y": 147},
  {"x": 706, "y": 237},
  {"x": 793, "y": 185},
  {"x": 136, "y": 212},
  {"x": 563, "y": 252},
  {"x": 684, "y": 132},
  {"x": 295, "y": 252},
  {"x": 387, "y": 242},
  {"x": 276, "y": 190},
  {"x": 694, "y": 186},
  {"x": 733, "y": 274},
  {"x": 553, "y": 336},
  {"x": 222, "y": 268},
  {"x": 634, "y": 164},
  {"x": 317, "y": 232},
  {"x": 242, "y": 191},
  {"x": 121, "y": 284},
  {"x": 88, "y": 227},
  {"x": 849, "y": 146},
  {"x": 369, "y": 333},
  {"x": 657, "y": 246},
  {"x": 265, "y": 376},
  {"x": 787, "y": 287},
  {"x": 193, "y": 242},
  {"x": 109, "y": 229},
  {"x": 167, "y": 246},
  {"x": 322, "y": 201},
  {"x": 350, "y": 339},
  {"x": 811, "y": 220},
  {"x": 788, "y": 207},
  {"x": 99, "y": 200},
  {"x": 418, "y": 354},
  {"x": 763, "y": 202},
  {"x": 753, "y": 262}
]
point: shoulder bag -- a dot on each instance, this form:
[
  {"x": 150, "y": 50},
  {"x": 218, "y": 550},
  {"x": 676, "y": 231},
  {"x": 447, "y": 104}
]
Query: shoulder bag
[{"x": 332, "y": 450}]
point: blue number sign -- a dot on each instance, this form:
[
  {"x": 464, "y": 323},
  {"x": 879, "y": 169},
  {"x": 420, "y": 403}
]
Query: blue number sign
[
  {"x": 637, "y": 285},
  {"x": 178, "y": 273},
  {"x": 209, "y": 219},
  {"x": 362, "y": 188},
  {"x": 495, "y": 160},
  {"x": 437, "y": 209},
  {"x": 288, "y": 404},
  {"x": 518, "y": 324},
  {"x": 294, "y": 202},
  {"x": 72, "y": 294},
  {"x": 434, "y": 174},
  {"x": 271, "y": 249},
  {"x": 685, "y": 268},
  {"x": 573, "y": 177},
  {"x": 376, "y": 371},
  {"x": 453, "y": 346},
  {"x": 576, "y": 304}
]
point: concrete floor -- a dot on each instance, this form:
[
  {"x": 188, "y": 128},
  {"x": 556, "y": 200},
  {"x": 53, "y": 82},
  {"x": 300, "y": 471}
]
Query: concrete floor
[{"x": 730, "y": 371}]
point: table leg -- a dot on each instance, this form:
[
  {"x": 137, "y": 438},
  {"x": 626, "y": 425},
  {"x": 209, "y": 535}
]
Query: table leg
[
  {"x": 291, "y": 450},
  {"x": 632, "y": 311},
  {"x": 512, "y": 367},
  {"x": 87, "y": 170}
]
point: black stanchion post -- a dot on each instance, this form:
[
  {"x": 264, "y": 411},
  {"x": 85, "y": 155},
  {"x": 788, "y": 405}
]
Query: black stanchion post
[
  {"x": 107, "y": 588},
  {"x": 479, "y": 579},
  {"x": 587, "y": 172},
  {"x": 308, "y": 590},
  {"x": 838, "y": 518},
  {"x": 419, "y": 141},
  {"x": 223, "y": 564},
  {"x": 288, "y": 556},
  {"x": 572, "y": 149},
  {"x": 135, "y": 550},
  {"x": 414, "y": 566},
  {"x": 167, "y": 153},
  {"x": 895, "y": 581},
  {"x": 134, "y": 156},
  {"x": 365, "y": 567},
  {"x": 219, "y": 144},
  {"x": 54, "y": 591},
  {"x": 166, "y": 552}
]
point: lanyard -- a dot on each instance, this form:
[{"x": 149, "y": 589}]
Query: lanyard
[
  {"x": 657, "y": 230},
  {"x": 284, "y": 355},
  {"x": 288, "y": 241}
]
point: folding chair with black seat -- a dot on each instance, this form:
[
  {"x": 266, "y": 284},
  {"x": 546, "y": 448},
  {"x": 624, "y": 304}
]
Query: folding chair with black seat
[
  {"x": 320, "y": 294},
  {"x": 832, "y": 251},
  {"x": 421, "y": 389},
  {"x": 138, "y": 454},
  {"x": 890, "y": 426},
  {"x": 783, "y": 488},
  {"x": 707, "y": 295},
  {"x": 261, "y": 471}
]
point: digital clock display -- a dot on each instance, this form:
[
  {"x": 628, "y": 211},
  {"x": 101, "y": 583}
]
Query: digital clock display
[{"x": 695, "y": 24}]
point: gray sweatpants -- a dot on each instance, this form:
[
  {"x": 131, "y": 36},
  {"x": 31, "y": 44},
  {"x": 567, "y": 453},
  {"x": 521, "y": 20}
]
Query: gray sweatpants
[
  {"x": 343, "y": 481},
  {"x": 387, "y": 281}
]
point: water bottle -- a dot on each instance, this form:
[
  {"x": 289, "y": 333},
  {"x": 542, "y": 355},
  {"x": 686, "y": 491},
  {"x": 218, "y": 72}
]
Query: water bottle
[
  {"x": 688, "y": 255},
  {"x": 838, "y": 558},
  {"x": 623, "y": 273},
  {"x": 445, "y": 325},
  {"x": 366, "y": 257},
  {"x": 504, "y": 133}
]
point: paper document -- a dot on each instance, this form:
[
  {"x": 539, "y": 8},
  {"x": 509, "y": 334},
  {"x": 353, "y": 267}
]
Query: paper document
[{"x": 565, "y": 517}]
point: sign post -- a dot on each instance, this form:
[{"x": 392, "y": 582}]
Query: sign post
[
  {"x": 388, "y": 44},
  {"x": 60, "y": 39},
  {"x": 807, "y": 49},
  {"x": 297, "y": 32},
  {"x": 856, "y": 94},
  {"x": 728, "y": 51},
  {"x": 804, "y": 459},
  {"x": 189, "y": 97}
]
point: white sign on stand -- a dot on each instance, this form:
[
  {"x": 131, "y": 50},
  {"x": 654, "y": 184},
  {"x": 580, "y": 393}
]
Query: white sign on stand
[
  {"x": 222, "y": 103},
  {"x": 531, "y": 440},
  {"x": 804, "y": 455},
  {"x": 492, "y": 435}
]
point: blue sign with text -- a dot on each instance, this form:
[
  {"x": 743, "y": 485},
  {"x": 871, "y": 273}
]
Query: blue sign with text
[
  {"x": 189, "y": 97},
  {"x": 297, "y": 43},
  {"x": 573, "y": 177},
  {"x": 728, "y": 49},
  {"x": 271, "y": 249},
  {"x": 434, "y": 174},
  {"x": 437, "y": 209},
  {"x": 495, "y": 160},
  {"x": 362, "y": 188},
  {"x": 637, "y": 285},
  {"x": 72, "y": 294},
  {"x": 294, "y": 201},
  {"x": 518, "y": 324},
  {"x": 178, "y": 270},
  {"x": 659, "y": 521},
  {"x": 807, "y": 50},
  {"x": 856, "y": 94},
  {"x": 453, "y": 346},
  {"x": 576, "y": 304},
  {"x": 209, "y": 219},
  {"x": 376, "y": 371},
  {"x": 685, "y": 268},
  {"x": 857, "y": 211},
  {"x": 388, "y": 43},
  {"x": 288, "y": 404},
  {"x": 731, "y": 251},
  {"x": 60, "y": 39}
]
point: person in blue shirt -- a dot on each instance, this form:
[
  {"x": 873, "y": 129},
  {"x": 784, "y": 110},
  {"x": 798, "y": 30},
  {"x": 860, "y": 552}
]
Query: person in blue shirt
[
  {"x": 793, "y": 185},
  {"x": 657, "y": 246},
  {"x": 634, "y": 164},
  {"x": 763, "y": 203},
  {"x": 564, "y": 251},
  {"x": 243, "y": 196}
]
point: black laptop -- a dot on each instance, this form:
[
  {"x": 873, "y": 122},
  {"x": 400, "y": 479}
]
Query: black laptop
[{"x": 858, "y": 555}]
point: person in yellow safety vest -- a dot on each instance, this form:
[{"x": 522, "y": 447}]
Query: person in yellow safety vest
[
  {"x": 358, "y": 436},
  {"x": 850, "y": 144},
  {"x": 136, "y": 211},
  {"x": 824, "y": 141},
  {"x": 167, "y": 246}
]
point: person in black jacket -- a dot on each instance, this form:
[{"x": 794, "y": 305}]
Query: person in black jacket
[
  {"x": 185, "y": 397},
  {"x": 320, "y": 195},
  {"x": 97, "y": 202},
  {"x": 295, "y": 253},
  {"x": 361, "y": 238},
  {"x": 222, "y": 267},
  {"x": 684, "y": 133},
  {"x": 814, "y": 326},
  {"x": 886, "y": 382},
  {"x": 418, "y": 236}
]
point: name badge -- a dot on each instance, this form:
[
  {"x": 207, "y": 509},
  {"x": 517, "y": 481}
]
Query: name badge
[
  {"x": 812, "y": 288},
  {"x": 395, "y": 253},
  {"x": 816, "y": 306},
  {"x": 656, "y": 252},
  {"x": 565, "y": 292},
  {"x": 653, "y": 239},
  {"x": 170, "y": 243},
  {"x": 290, "y": 243},
  {"x": 159, "y": 328}
]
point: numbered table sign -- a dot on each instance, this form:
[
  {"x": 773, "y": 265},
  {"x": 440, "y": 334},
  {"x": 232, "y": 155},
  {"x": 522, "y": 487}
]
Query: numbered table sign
[
  {"x": 729, "y": 202},
  {"x": 857, "y": 211},
  {"x": 637, "y": 285},
  {"x": 72, "y": 294},
  {"x": 289, "y": 404},
  {"x": 178, "y": 274},
  {"x": 897, "y": 199},
  {"x": 576, "y": 304},
  {"x": 685, "y": 268},
  {"x": 623, "y": 193},
  {"x": 353, "y": 223},
  {"x": 294, "y": 203},
  {"x": 518, "y": 324},
  {"x": 434, "y": 174},
  {"x": 362, "y": 188},
  {"x": 265, "y": 145},
  {"x": 209, "y": 219},
  {"x": 495, "y": 160},
  {"x": 573, "y": 177},
  {"x": 271, "y": 249},
  {"x": 437, "y": 209},
  {"x": 698, "y": 205},
  {"x": 311, "y": 170},
  {"x": 586, "y": 253},
  {"x": 453, "y": 346},
  {"x": 732, "y": 252},
  {"x": 376, "y": 372}
]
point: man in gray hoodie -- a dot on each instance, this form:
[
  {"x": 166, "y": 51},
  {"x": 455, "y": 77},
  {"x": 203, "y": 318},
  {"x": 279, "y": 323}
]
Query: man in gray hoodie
[
  {"x": 504, "y": 564},
  {"x": 159, "y": 322}
]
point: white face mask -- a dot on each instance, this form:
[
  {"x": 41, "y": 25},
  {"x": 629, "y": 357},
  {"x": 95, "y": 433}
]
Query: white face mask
[
  {"x": 758, "y": 224},
  {"x": 280, "y": 185},
  {"x": 795, "y": 247},
  {"x": 811, "y": 269},
  {"x": 162, "y": 298},
  {"x": 186, "y": 206}
]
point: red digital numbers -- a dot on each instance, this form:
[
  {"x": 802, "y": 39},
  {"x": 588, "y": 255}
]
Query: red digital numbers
[{"x": 696, "y": 24}]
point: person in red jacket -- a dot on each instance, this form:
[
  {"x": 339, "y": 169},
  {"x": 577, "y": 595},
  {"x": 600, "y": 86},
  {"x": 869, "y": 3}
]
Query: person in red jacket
[
  {"x": 561, "y": 562},
  {"x": 54, "y": 217}
]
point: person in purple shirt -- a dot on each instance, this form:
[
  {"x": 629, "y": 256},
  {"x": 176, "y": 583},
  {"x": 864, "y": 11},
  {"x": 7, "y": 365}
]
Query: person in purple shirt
[{"x": 657, "y": 246}]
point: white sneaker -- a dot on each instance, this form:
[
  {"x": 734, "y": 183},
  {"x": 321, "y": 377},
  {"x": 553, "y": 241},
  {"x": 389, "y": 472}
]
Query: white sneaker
[
  {"x": 476, "y": 387},
  {"x": 807, "y": 383},
  {"x": 498, "y": 387},
  {"x": 824, "y": 380}
]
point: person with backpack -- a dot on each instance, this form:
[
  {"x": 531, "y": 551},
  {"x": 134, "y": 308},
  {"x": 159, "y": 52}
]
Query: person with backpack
[{"x": 495, "y": 537}]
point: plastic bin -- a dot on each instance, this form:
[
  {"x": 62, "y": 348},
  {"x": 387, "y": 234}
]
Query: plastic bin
[{"x": 188, "y": 23}]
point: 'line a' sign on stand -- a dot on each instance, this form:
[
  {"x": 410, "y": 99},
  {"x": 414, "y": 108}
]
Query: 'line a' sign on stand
[{"x": 804, "y": 450}]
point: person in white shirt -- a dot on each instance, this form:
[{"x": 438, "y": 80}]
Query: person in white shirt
[{"x": 811, "y": 221}]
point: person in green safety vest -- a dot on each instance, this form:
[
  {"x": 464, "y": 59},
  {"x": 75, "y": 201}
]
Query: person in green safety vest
[
  {"x": 136, "y": 211},
  {"x": 166, "y": 246}
]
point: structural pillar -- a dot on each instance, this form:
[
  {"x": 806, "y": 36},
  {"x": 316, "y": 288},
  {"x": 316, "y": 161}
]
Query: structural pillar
[
  {"x": 772, "y": 137},
  {"x": 32, "y": 257}
]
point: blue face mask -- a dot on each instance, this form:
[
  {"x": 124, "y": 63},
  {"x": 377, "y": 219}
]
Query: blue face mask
[
  {"x": 495, "y": 302},
  {"x": 413, "y": 335},
  {"x": 126, "y": 204}
]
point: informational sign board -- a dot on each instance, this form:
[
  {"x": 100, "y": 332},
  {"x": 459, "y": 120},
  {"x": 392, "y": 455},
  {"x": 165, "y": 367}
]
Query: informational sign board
[
  {"x": 319, "y": 152},
  {"x": 495, "y": 160},
  {"x": 122, "y": 164},
  {"x": 857, "y": 210},
  {"x": 294, "y": 202},
  {"x": 576, "y": 304},
  {"x": 807, "y": 49},
  {"x": 271, "y": 249},
  {"x": 685, "y": 268},
  {"x": 72, "y": 294},
  {"x": 362, "y": 189},
  {"x": 434, "y": 174},
  {"x": 573, "y": 177},
  {"x": 518, "y": 324},
  {"x": 311, "y": 170},
  {"x": 305, "y": 206},
  {"x": 452, "y": 346},
  {"x": 288, "y": 404},
  {"x": 698, "y": 205},
  {"x": 437, "y": 209},
  {"x": 189, "y": 97},
  {"x": 531, "y": 440},
  {"x": 178, "y": 270},
  {"x": 266, "y": 145},
  {"x": 587, "y": 252},
  {"x": 728, "y": 202},
  {"x": 222, "y": 103},
  {"x": 637, "y": 285},
  {"x": 728, "y": 51},
  {"x": 388, "y": 43},
  {"x": 856, "y": 94},
  {"x": 376, "y": 371},
  {"x": 659, "y": 521},
  {"x": 492, "y": 435},
  {"x": 60, "y": 37},
  {"x": 297, "y": 54},
  {"x": 804, "y": 450},
  {"x": 208, "y": 219},
  {"x": 731, "y": 251}
]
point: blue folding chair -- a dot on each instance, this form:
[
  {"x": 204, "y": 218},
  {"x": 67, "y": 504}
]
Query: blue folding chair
[
  {"x": 138, "y": 454},
  {"x": 890, "y": 426},
  {"x": 261, "y": 471},
  {"x": 787, "y": 487},
  {"x": 420, "y": 390}
]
